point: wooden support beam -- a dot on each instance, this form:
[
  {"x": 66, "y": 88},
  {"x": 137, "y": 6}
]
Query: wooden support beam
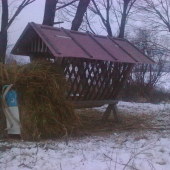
[
  {"x": 92, "y": 103},
  {"x": 111, "y": 108},
  {"x": 107, "y": 113},
  {"x": 116, "y": 113}
]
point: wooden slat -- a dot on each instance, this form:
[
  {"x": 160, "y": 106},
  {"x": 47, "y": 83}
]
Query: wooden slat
[
  {"x": 95, "y": 40},
  {"x": 125, "y": 77},
  {"x": 104, "y": 81},
  {"x": 97, "y": 82},
  {"x": 92, "y": 92},
  {"x": 93, "y": 103},
  {"x": 122, "y": 48},
  {"x": 115, "y": 81},
  {"x": 109, "y": 109},
  {"x": 102, "y": 85},
  {"x": 107, "y": 86},
  {"x": 90, "y": 56},
  {"x": 84, "y": 80},
  {"x": 74, "y": 92}
]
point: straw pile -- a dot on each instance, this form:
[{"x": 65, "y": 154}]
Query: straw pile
[{"x": 41, "y": 89}]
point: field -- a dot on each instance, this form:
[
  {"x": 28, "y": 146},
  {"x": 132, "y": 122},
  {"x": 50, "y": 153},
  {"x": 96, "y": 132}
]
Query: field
[{"x": 141, "y": 142}]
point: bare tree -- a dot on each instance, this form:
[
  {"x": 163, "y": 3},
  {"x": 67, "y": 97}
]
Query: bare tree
[
  {"x": 6, "y": 23},
  {"x": 113, "y": 12},
  {"x": 146, "y": 74},
  {"x": 100, "y": 13},
  {"x": 156, "y": 13},
  {"x": 109, "y": 15},
  {"x": 105, "y": 19},
  {"x": 145, "y": 77},
  {"x": 49, "y": 12},
  {"x": 127, "y": 5},
  {"x": 71, "y": 15},
  {"x": 51, "y": 8},
  {"x": 64, "y": 4},
  {"x": 81, "y": 9}
]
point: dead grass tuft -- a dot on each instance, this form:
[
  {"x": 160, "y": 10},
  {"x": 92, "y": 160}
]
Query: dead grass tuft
[{"x": 91, "y": 122}]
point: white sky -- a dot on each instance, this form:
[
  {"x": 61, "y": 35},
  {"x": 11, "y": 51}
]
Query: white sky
[{"x": 32, "y": 13}]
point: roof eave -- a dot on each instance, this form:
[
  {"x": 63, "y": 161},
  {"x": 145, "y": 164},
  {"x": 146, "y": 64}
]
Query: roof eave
[{"x": 14, "y": 50}]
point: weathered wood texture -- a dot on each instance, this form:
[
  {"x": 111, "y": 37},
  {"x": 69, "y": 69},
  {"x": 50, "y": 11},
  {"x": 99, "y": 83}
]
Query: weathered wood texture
[
  {"x": 112, "y": 108},
  {"x": 91, "y": 80},
  {"x": 37, "y": 46},
  {"x": 90, "y": 104},
  {"x": 3, "y": 133}
]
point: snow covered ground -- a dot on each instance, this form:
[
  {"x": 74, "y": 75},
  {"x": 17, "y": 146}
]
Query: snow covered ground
[{"x": 142, "y": 150}]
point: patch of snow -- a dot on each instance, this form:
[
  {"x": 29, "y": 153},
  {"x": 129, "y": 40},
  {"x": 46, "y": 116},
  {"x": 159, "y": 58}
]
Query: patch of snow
[{"x": 144, "y": 150}]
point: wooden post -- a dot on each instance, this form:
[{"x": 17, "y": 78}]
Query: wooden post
[
  {"x": 109, "y": 109},
  {"x": 113, "y": 107},
  {"x": 3, "y": 133},
  {"x": 106, "y": 113},
  {"x": 116, "y": 113}
]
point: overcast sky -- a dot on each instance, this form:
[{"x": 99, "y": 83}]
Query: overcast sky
[{"x": 32, "y": 13}]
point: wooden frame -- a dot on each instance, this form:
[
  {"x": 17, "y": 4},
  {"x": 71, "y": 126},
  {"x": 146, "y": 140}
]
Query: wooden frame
[
  {"x": 94, "y": 83},
  {"x": 91, "y": 80},
  {"x": 94, "y": 103},
  {"x": 96, "y": 67}
]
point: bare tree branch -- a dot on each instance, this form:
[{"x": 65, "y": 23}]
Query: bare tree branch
[
  {"x": 20, "y": 8},
  {"x": 156, "y": 13},
  {"x": 65, "y": 5}
]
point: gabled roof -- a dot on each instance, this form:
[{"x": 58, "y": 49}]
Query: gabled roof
[{"x": 67, "y": 43}]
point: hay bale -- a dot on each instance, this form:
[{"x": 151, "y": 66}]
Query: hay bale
[{"x": 44, "y": 110}]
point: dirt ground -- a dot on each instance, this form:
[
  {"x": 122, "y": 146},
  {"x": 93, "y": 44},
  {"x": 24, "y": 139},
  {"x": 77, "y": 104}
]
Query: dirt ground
[{"x": 92, "y": 124}]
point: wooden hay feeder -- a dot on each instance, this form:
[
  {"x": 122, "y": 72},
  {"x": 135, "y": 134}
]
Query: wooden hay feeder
[{"x": 96, "y": 67}]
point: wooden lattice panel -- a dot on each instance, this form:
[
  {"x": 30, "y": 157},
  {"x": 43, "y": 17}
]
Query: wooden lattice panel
[{"x": 94, "y": 79}]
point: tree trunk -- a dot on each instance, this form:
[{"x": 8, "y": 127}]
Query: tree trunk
[
  {"x": 3, "y": 33},
  {"x": 123, "y": 20},
  {"x": 49, "y": 12},
  {"x": 76, "y": 23},
  {"x": 3, "y": 133},
  {"x": 3, "y": 47},
  {"x": 81, "y": 9},
  {"x": 109, "y": 30}
]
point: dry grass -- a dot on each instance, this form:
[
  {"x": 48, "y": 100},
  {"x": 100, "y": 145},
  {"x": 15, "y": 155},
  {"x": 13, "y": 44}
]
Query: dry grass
[
  {"x": 91, "y": 123},
  {"x": 41, "y": 89}
]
